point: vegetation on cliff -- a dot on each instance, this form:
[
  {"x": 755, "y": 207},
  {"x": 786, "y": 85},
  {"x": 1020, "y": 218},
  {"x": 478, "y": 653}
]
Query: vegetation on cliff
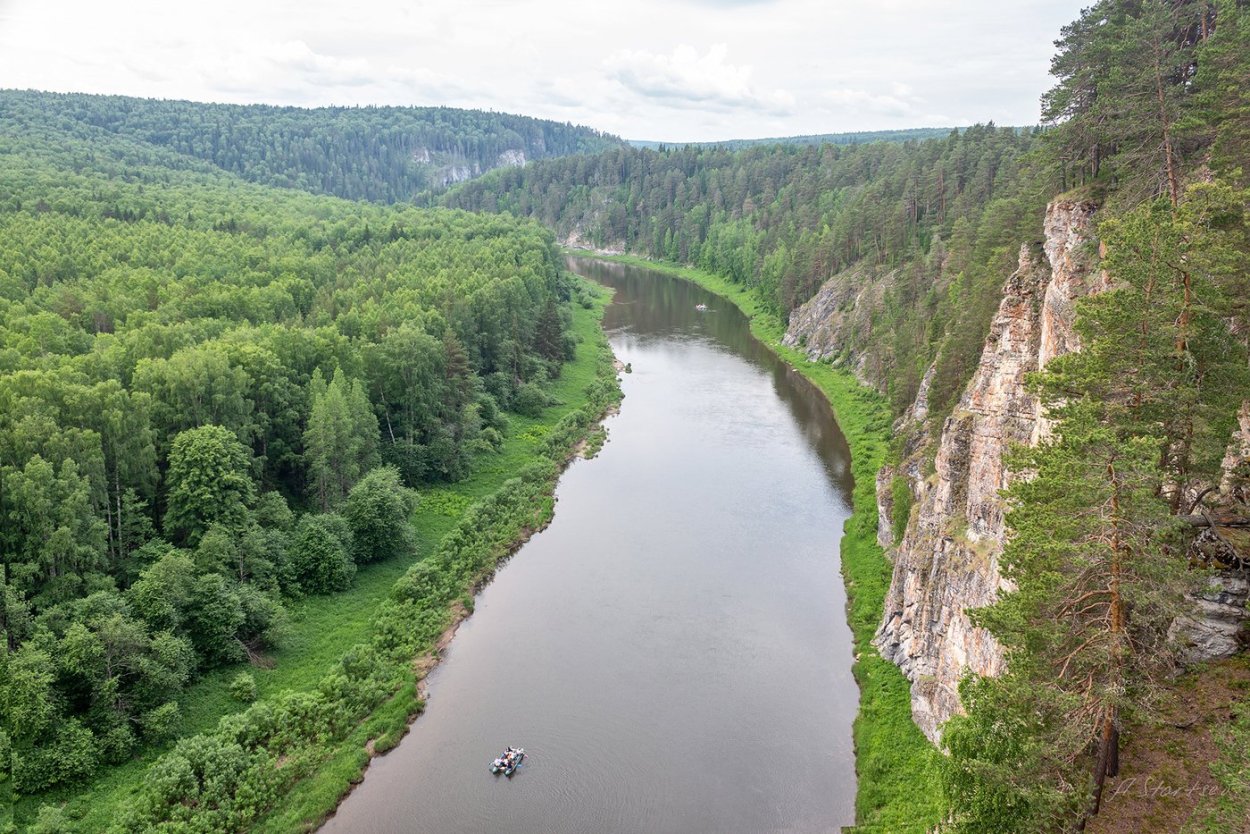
[{"x": 1143, "y": 414}]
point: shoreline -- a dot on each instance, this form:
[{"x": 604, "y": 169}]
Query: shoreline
[
  {"x": 302, "y": 750},
  {"x": 425, "y": 663},
  {"x": 896, "y": 766}
]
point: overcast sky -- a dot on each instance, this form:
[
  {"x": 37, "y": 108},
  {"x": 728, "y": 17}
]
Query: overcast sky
[{"x": 672, "y": 70}]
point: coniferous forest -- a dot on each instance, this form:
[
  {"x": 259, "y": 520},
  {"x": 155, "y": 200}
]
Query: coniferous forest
[
  {"x": 240, "y": 345},
  {"x": 383, "y": 154}
]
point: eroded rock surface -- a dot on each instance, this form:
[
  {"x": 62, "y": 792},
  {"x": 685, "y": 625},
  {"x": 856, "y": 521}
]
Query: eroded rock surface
[
  {"x": 947, "y": 561},
  {"x": 834, "y": 322}
]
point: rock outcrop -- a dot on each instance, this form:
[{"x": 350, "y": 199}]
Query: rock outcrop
[
  {"x": 1217, "y": 628},
  {"x": 577, "y": 239},
  {"x": 1235, "y": 484},
  {"x": 947, "y": 561},
  {"x": 511, "y": 158},
  {"x": 834, "y": 322}
]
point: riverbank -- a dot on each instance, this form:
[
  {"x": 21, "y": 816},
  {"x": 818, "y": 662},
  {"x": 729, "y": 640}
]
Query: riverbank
[
  {"x": 898, "y": 788},
  {"x": 344, "y": 686},
  {"x": 484, "y": 536}
]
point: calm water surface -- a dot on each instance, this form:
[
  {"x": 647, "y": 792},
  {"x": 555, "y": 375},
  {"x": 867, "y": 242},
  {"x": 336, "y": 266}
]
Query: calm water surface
[{"x": 672, "y": 652}]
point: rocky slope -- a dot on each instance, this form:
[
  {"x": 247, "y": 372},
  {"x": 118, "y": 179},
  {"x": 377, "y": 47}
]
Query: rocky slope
[
  {"x": 947, "y": 560},
  {"x": 838, "y": 319}
]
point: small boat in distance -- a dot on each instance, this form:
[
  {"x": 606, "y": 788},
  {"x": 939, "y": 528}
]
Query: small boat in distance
[
  {"x": 702, "y": 308},
  {"x": 508, "y": 762}
]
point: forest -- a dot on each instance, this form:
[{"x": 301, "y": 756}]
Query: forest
[
  {"x": 855, "y": 137},
  {"x": 216, "y": 399},
  {"x": 383, "y": 154},
  {"x": 941, "y": 220}
]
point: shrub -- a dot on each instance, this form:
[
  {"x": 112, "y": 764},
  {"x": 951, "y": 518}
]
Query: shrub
[
  {"x": 162, "y": 724},
  {"x": 377, "y": 512},
  {"x": 530, "y": 400},
  {"x": 51, "y": 820},
  {"x": 72, "y": 753},
  {"x": 320, "y": 555},
  {"x": 117, "y": 744},
  {"x": 243, "y": 687}
]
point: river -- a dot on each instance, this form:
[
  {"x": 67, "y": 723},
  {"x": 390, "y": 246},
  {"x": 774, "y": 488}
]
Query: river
[{"x": 672, "y": 651}]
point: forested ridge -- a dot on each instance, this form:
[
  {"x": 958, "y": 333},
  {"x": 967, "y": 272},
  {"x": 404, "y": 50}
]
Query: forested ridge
[
  {"x": 855, "y": 137},
  {"x": 385, "y": 154},
  {"x": 939, "y": 222},
  {"x": 215, "y": 399}
]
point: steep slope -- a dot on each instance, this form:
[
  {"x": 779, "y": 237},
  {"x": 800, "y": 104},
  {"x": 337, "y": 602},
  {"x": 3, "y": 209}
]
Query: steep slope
[{"x": 946, "y": 562}]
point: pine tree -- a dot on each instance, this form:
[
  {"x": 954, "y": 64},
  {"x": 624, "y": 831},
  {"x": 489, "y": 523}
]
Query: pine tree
[{"x": 341, "y": 441}]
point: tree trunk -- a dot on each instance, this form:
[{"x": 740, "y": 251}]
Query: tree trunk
[
  {"x": 1174, "y": 187},
  {"x": 1108, "y": 757},
  {"x": 1108, "y": 763}
]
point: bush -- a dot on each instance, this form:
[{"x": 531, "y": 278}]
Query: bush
[
  {"x": 530, "y": 400},
  {"x": 243, "y": 687},
  {"x": 321, "y": 554},
  {"x": 72, "y": 753},
  {"x": 377, "y": 512},
  {"x": 117, "y": 744},
  {"x": 51, "y": 820},
  {"x": 162, "y": 724}
]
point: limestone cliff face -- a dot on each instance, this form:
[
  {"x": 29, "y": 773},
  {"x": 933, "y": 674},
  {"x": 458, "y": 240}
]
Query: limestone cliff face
[
  {"x": 947, "y": 561},
  {"x": 577, "y": 239},
  {"x": 450, "y": 168},
  {"x": 512, "y": 158},
  {"x": 838, "y": 318}
]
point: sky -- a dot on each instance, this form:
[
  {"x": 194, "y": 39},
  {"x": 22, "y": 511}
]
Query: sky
[{"x": 668, "y": 70}]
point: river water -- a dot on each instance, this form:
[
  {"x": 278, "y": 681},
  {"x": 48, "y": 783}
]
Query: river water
[{"x": 672, "y": 652}]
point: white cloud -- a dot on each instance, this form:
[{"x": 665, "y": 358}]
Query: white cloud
[
  {"x": 733, "y": 68},
  {"x": 685, "y": 77},
  {"x": 860, "y": 101}
]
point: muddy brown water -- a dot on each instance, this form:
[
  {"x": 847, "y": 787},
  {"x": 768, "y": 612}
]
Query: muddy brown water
[{"x": 672, "y": 652}]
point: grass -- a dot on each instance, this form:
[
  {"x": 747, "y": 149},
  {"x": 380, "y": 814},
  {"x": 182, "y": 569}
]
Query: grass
[
  {"x": 322, "y": 629},
  {"x": 898, "y": 787}
]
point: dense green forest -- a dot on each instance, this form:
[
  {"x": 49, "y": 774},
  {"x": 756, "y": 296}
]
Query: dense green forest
[
  {"x": 939, "y": 221},
  {"x": 215, "y": 399},
  {"x": 387, "y": 154}
]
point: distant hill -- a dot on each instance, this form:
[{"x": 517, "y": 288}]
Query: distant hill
[
  {"x": 385, "y": 154},
  {"x": 859, "y": 137}
]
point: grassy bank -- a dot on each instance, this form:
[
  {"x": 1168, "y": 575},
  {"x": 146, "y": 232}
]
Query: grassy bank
[
  {"x": 368, "y": 646},
  {"x": 897, "y": 766}
]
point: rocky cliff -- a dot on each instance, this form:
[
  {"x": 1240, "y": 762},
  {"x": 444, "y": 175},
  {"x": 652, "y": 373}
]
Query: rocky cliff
[
  {"x": 838, "y": 319},
  {"x": 947, "y": 560}
]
